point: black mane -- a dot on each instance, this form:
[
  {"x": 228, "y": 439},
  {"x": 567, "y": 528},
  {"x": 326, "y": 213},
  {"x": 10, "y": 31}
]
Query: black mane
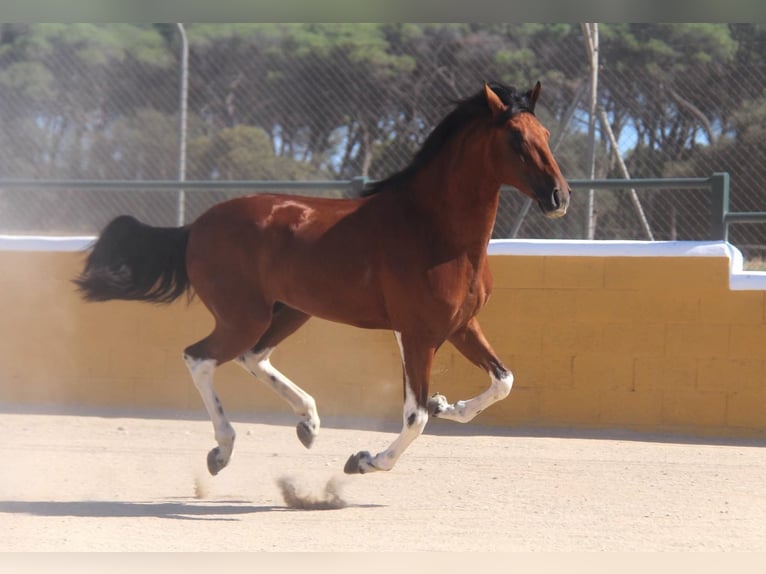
[{"x": 465, "y": 111}]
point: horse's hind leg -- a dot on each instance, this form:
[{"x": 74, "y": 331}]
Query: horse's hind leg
[
  {"x": 470, "y": 341},
  {"x": 202, "y": 374},
  {"x": 256, "y": 361},
  {"x": 202, "y": 358},
  {"x": 417, "y": 359}
]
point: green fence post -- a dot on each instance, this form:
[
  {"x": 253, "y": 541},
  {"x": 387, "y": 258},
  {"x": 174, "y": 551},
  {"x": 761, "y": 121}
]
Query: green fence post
[
  {"x": 357, "y": 185},
  {"x": 719, "y": 205}
]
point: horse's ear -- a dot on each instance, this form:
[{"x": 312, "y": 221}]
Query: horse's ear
[
  {"x": 494, "y": 102},
  {"x": 534, "y": 93}
]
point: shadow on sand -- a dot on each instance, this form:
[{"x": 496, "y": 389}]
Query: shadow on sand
[{"x": 181, "y": 510}]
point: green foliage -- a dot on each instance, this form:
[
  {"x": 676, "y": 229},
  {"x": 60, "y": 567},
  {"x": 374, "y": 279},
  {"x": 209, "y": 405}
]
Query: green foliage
[
  {"x": 242, "y": 153},
  {"x": 314, "y": 100},
  {"x": 29, "y": 81}
]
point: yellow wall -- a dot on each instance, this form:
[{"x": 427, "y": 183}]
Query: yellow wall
[{"x": 646, "y": 343}]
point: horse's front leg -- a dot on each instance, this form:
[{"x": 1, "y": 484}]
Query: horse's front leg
[
  {"x": 417, "y": 359},
  {"x": 470, "y": 341}
]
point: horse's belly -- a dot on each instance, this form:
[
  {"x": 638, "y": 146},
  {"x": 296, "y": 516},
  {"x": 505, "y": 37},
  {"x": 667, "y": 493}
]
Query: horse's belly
[
  {"x": 347, "y": 310},
  {"x": 351, "y": 297}
]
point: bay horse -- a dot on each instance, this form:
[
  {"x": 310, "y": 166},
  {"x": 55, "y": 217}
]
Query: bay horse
[{"x": 409, "y": 256}]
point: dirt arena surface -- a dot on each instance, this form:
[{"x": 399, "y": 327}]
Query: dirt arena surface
[{"x": 116, "y": 483}]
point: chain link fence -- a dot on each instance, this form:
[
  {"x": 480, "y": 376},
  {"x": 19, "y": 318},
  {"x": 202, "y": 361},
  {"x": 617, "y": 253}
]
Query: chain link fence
[{"x": 338, "y": 101}]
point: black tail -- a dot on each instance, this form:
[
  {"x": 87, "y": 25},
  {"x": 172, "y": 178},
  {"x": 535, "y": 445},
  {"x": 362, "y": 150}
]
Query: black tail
[{"x": 134, "y": 261}]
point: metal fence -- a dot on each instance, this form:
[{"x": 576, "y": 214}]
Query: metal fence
[
  {"x": 331, "y": 102},
  {"x": 164, "y": 203}
]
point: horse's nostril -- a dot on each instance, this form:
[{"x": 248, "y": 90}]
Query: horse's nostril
[{"x": 555, "y": 200}]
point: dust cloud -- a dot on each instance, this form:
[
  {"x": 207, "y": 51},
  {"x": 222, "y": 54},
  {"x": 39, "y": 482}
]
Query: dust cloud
[{"x": 328, "y": 499}]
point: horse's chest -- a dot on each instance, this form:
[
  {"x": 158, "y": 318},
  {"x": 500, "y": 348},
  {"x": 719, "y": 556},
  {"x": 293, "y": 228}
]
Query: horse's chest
[{"x": 458, "y": 287}]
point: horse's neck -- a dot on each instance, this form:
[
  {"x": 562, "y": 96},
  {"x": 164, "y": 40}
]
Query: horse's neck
[{"x": 459, "y": 197}]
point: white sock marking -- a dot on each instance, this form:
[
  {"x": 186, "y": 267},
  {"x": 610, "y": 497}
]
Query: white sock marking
[
  {"x": 202, "y": 371},
  {"x": 414, "y": 421},
  {"x": 302, "y": 403},
  {"x": 464, "y": 411}
]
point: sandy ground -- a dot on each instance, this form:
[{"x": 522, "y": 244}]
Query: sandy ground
[{"x": 94, "y": 483}]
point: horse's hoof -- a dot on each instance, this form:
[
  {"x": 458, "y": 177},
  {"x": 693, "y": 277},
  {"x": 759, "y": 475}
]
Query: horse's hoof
[
  {"x": 306, "y": 434},
  {"x": 437, "y": 404},
  {"x": 354, "y": 463},
  {"x": 214, "y": 461}
]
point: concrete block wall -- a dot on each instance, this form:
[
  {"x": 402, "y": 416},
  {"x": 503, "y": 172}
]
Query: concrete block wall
[{"x": 656, "y": 337}]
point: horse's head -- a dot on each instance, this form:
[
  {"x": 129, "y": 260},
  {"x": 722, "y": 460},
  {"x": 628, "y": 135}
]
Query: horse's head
[{"x": 522, "y": 155}]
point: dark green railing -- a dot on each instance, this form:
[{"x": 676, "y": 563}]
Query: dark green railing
[{"x": 717, "y": 185}]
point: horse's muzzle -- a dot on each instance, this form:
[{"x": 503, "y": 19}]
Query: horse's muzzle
[{"x": 555, "y": 204}]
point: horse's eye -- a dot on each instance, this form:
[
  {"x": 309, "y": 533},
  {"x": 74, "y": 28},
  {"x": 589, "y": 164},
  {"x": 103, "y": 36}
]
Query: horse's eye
[{"x": 516, "y": 139}]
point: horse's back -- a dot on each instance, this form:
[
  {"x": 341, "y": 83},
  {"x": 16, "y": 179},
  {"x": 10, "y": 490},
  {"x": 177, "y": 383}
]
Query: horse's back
[{"x": 309, "y": 253}]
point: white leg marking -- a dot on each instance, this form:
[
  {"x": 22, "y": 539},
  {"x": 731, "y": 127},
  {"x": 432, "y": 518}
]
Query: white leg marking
[
  {"x": 415, "y": 419},
  {"x": 202, "y": 373},
  {"x": 302, "y": 403},
  {"x": 464, "y": 411},
  {"x": 398, "y": 336}
]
